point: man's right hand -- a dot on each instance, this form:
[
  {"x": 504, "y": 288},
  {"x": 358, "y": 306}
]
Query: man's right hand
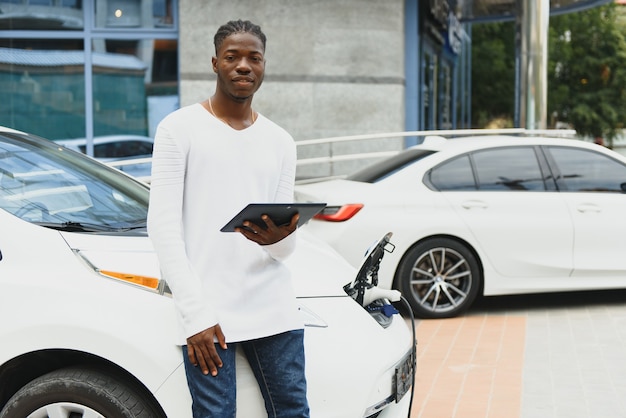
[{"x": 201, "y": 349}]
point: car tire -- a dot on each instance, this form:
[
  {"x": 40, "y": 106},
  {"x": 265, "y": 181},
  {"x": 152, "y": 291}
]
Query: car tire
[
  {"x": 75, "y": 392},
  {"x": 440, "y": 278}
]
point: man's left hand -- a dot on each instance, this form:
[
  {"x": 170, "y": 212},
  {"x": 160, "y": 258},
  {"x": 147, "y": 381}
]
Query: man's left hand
[{"x": 271, "y": 234}]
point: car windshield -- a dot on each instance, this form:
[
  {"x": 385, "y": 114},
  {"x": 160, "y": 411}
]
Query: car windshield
[
  {"x": 46, "y": 184},
  {"x": 388, "y": 166}
]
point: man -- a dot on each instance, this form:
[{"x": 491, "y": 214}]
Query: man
[{"x": 231, "y": 290}]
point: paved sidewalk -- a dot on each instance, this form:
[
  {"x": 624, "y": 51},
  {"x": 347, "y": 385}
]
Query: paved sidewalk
[{"x": 534, "y": 356}]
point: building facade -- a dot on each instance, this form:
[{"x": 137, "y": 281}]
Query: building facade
[
  {"x": 86, "y": 68},
  {"x": 79, "y": 69},
  {"x": 342, "y": 68}
]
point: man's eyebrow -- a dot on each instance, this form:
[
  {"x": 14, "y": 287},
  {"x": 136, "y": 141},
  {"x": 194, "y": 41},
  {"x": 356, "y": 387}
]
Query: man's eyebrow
[{"x": 239, "y": 51}]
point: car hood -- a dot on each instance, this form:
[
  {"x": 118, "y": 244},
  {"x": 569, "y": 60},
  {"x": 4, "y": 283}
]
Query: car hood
[{"x": 317, "y": 269}]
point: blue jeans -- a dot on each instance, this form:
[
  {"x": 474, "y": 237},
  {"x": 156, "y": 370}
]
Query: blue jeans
[{"x": 278, "y": 365}]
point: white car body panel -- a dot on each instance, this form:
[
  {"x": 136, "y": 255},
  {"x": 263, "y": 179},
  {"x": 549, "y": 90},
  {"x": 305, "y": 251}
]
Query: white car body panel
[
  {"x": 64, "y": 305},
  {"x": 601, "y": 233},
  {"x": 523, "y": 254},
  {"x": 57, "y": 302}
]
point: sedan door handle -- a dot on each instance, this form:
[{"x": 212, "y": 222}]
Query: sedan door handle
[
  {"x": 471, "y": 204},
  {"x": 589, "y": 207}
]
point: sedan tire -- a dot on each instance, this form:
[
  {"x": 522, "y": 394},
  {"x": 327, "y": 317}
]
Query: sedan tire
[
  {"x": 77, "y": 393},
  {"x": 440, "y": 278}
]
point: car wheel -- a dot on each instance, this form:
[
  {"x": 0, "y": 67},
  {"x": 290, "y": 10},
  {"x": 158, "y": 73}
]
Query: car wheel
[
  {"x": 439, "y": 277},
  {"x": 77, "y": 393}
]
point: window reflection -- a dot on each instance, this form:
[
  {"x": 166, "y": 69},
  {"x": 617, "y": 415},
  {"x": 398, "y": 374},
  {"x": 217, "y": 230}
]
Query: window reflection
[
  {"x": 453, "y": 175},
  {"x": 588, "y": 171},
  {"x": 510, "y": 169},
  {"x": 41, "y": 15},
  {"x": 44, "y": 88},
  {"x": 134, "y": 85},
  {"x": 134, "y": 13},
  {"x": 133, "y": 79},
  {"x": 68, "y": 14}
]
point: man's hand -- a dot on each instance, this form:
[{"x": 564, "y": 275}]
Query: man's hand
[
  {"x": 271, "y": 234},
  {"x": 201, "y": 349}
]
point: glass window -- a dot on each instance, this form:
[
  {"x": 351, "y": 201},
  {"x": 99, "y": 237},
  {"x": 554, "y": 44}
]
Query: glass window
[
  {"x": 388, "y": 166},
  {"x": 134, "y": 85},
  {"x": 430, "y": 70},
  {"x": 134, "y": 14},
  {"x": 510, "y": 169},
  {"x": 44, "y": 87},
  {"x": 587, "y": 171},
  {"x": 41, "y": 15},
  {"x": 132, "y": 79},
  {"x": 446, "y": 96},
  {"x": 123, "y": 149},
  {"x": 40, "y": 182},
  {"x": 453, "y": 175}
]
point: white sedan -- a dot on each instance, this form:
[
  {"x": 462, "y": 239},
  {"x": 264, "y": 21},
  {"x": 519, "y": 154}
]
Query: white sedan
[
  {"x": 483, "y": 215},
  {"x": 88, "y": 326}
]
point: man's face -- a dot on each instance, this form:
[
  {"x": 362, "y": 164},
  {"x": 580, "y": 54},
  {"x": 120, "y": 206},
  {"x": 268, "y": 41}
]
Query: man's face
[{"x": 240, "y": 65}]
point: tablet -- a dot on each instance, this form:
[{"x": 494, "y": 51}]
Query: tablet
[{"x": 280, "y": 213}]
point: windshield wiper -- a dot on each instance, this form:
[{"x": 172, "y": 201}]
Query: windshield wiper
[
  {"x": 80, "y": 227},
  {"x": 141, "y": 224}
]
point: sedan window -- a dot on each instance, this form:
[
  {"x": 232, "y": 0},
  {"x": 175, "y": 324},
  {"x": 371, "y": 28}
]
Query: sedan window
[
  {"x": 382, "y": 169},
  {"x": 588, "y": 171},
  {"x": 508, "y": 168},
  {"x": 453, "y": 175},
  {"x": 122, "y": 149},
  {"x": 504, "y": 168}
]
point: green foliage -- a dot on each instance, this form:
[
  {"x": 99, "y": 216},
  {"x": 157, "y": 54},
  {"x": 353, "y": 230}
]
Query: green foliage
[
  {"x": 587, "y": 77},
  {"x": 586, "y": 71},
  {"x": 493, "y": 72}
]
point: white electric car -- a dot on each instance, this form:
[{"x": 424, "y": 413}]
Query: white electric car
[{"x": 88, "y": 326}]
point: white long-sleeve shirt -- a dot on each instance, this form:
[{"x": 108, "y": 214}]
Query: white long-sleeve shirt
[{"x": 203, "y": 173}]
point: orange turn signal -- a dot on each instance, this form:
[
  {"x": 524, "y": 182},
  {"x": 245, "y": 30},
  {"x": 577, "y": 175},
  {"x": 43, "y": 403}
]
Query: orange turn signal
[{"x": 150, "y": 282}]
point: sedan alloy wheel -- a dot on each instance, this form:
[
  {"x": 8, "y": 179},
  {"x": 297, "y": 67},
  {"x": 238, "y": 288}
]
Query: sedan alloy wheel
[{"x": 440, "y": 278}]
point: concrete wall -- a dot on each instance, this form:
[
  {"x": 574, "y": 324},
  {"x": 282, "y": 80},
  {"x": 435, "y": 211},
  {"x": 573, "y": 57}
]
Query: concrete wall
[{"x": 334, "y": 68}]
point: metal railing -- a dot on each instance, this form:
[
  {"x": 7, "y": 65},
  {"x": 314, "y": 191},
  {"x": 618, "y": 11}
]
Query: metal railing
[
  {"x": 449, "y": 133},
  {"x": 332, "y": 157}
]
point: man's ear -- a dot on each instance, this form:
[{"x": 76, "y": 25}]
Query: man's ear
[{"x": 214, "y": 64}]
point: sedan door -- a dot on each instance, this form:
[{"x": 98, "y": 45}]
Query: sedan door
[
  {"x": 508, "y": 200},
  {"x": 591, "y": 183}
]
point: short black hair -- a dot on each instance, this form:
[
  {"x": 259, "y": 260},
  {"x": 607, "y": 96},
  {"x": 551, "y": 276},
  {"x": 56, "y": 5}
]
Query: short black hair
[{"x": 237, "y": 26}]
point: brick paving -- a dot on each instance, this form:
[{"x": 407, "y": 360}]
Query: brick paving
[{"x": 533, "y": 356}]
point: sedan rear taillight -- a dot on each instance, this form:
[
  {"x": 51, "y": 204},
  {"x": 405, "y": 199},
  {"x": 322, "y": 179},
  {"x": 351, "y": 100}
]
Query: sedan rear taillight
[{"x": 338, "y": 213}]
